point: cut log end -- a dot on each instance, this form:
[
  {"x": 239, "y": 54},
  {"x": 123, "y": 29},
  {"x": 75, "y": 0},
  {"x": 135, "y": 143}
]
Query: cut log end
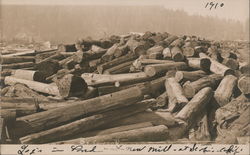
[{"x": 188, "y": 90}]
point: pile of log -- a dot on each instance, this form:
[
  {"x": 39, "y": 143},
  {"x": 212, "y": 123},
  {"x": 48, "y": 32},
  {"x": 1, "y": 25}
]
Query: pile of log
[{"x": 138, "y": 87}]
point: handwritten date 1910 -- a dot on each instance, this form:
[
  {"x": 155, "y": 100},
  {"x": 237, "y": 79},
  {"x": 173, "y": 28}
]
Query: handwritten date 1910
[{"x": 213, "y": 5}]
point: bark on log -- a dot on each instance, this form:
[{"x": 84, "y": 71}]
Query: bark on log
[
  {"x": 225, "y": 90},
  {"x": 52, "y": 118},
  {"x": 231, "y": 63},
  {"x": 40, "y": 57},
  {"x": 86, "y": 124},
  {"x": 191, "y": 88},
  {"x": 175, "y": 93},
  {"x": 177, "y": 54},
  {"x": 244, "y": 84},
  {"x": 18, "y": 65},
  {"x": 29, "y": 75},
  {"x": 217, "y": 67},
  {"x": 37, "y": 86},
  {"x": 121, "y": 68},
  {"x": 183, "y": 76},
  {"x": 159, "y": 69},
  {"x": 192, "y": 111},
  {"x": 161, "y": 101},
  {"x": 167, "y": 54},
  {"x": 156, "y": 133},
  {"x": 17, "y": 59},
  {"x": 199, "y": 63}
]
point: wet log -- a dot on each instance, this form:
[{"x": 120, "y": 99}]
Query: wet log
[
  {"x": 121, "y": 68},
  {"x": 217, "y": 67},
  {"x": 17, "y": 59},
  {"x": 18, "y": 65},
  {"x": 160, "y": 69},
  {"x": 243, "y": 84},
  {"x": 175, "y": 93},
  {"x": 55, "y": 117},
  {"x": 114, "y": 62},
  {"x": 192, "y": 111},
  {"x": 29, "y": 75},
  {"x": 37, "y": 86},
  {"x": 167, "y": 54},
  {"x": 225, "y": 90},
  {"x": 183, "y": 76},
  {"x": 191, "y": 88},
  {"x": 231, "y": 63},
  {"x": 199, "y": 63},
  {"x": 177, "y": 54},
  {"x": 86, "y": 124}
]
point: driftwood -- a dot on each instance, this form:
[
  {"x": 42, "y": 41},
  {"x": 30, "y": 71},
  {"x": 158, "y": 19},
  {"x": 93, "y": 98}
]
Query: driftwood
[
  {"x": 183, "y": 76},
  {"x": 225, "y": 90},
  {"x": 243, "y": 84}
]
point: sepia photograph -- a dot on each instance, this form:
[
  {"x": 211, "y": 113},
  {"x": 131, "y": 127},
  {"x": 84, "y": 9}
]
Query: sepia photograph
[{"x": 126, "y": 76}]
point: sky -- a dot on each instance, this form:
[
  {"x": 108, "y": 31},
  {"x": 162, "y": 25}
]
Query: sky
[{"x": 232, "y": 9}]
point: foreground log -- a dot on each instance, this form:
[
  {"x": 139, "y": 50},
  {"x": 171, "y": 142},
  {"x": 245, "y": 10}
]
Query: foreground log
[
  {"x": 159, "y": 69},
  {"x": 192, "y": 111},
  {"x": 183, "y": 76},
  {"x": 225, "y": 90},
  {"x": 217, "y": 67},
  {"x": 18, "y": 65},
  {"x": 175, "y": 93},
  {"x": 243, "y": 84},
  {"x": 17, "y": 59},
  {"x": 191, "y": 88},
  {"x": 157, "y": 133},
  {"x": 177, "y": 54},
  {"x": 52, "y": 118},
  {"x": 121, "y": 68},
  {"x": 231, "y": 63},
  {"x": 86, "y": 124},
  {"x": 29, "y": 75},
  {"x": 199, "y": 63},
  {"x": 37, "y": 86}
]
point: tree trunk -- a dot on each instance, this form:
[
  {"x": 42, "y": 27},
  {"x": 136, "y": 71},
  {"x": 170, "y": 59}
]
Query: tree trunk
[
  {"x": 183, "y": 76},
  {"x": 244, "y": 84}
]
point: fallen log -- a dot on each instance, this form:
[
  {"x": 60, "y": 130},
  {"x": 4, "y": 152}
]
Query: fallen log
[
  {"x": 191, "y": 88},
  {"x": 177, "y": 54},
  {"x": 17, "y": 59},
  {"x": 243, "y": 84},
  {"x": 217, "y": 67},
  {"x": 183, "y": 76},
  {"x": 157, "y": 133},
  {"x": 199, "y": 63},
  {"x": 159, "y": 69},
  {"x": 86, "y": 124},
  {"x": 192, "y": 111},
  {"x": 29, "y": 75},
  {"x": 18, "y": 65},
  {"x": 55, "y": 117},
  {"x": 167, "y": 54},
  {"x": 175, "y": 93},
  {"x": 37, "y": 86},
  {"x": 231, "y": 63},
  {"x": 225, "y": 90},
  {"x": 121, "y": 68}
]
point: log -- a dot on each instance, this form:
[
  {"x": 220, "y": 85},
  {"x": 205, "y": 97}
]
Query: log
[
  {"x": 154, "y": 61},
  {"x": 138, "y": 48},
  {"x": 167, "y": 54},
  {"x": 177, "y": 43},
  {"x": 191, "y": 88},
  {"x": 94, "y": 63},
  {"x": 199, "y": 63},
  {"x": 245, "y": 68},
  {"x": 175, "y": 93},
  {"x": 217, "y": 67},
  {"x": 159, "y": 69},
  {"x": 228, "y": 54},
  {"x": 122, "y": 51},
  {"x": 17, "y": 59},
  {"x": 157, "y": 133},
  {"x": 67, "y": 48},
  {"x": 37, "y": 86},
  {"x": 161, "y": 101},
  {"x": 189, "y": 51},
  {"x": 18, "y": 65},
  {"x": 243, "y": 84},
  {"x": 86, "y": 124},
  {"x": 114, "y": 62},
  {"x": 121, "y": 68},
  {"x": 49, "y": 67},
  {"x": 183, "y": 76},
  {"x": 29, "y": 75},
  {"x": 40, "y": 57},
  {"x": 231, "y": 63},
  {"x": 109, "y": 55},
  {"x": 71, "y": 86},
  {"x": 225, "y": 90},
  {"x": 55, "y": 117},
  {"x": 155, "y": 55},
  {"x": 155, "y": 49},
  {"x": 27, "y": 52},
  {"x": 2, "y": 131},
  {"x": 214, "y": 54},
  {"x": 170, "y": 39},
  {"x": 192, "y": 111},
  {"x": 177, "y": 54}
]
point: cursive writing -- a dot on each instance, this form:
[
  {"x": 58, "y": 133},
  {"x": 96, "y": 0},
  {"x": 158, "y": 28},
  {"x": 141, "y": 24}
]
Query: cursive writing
[
  {"x": 213, "y": 5},
  {"x": 25, "y": 150},
  {"x": 80, "y": 148}
]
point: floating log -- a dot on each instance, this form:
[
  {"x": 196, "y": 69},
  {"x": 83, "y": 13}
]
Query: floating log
[
  {"x": 121, "y": 68},
  {"x": 175, "y": 93},
  {"x": 17, "y": 59},
  {"x": 158, "y": 69},
  {"x": 167, "y": 54},
  {"x": 199, "y": 63},
  {"x": 18, "y": 65},
  {"x": 177, "y": 54},
  {"x": 29, "y": 75},
  {"x": 86, "y": 124},
  {"x": 192, "y": 111},
  {"x": 191, "y": 88},
  {"x": 183, "y": 76},
  {"x": 231, "y": 63},
  {"x": 55, "y": 117},
  {"x": 225, "y": 90},
  {"x": 37, "y": 86},
  {"x": 243, "y": 84},
  {"x": 217, "y": 67}
]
